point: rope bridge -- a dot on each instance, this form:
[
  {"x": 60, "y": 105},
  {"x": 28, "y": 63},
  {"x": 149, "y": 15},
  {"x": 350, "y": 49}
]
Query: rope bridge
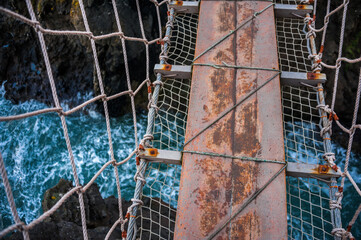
[{"x": 168, "y": 97}]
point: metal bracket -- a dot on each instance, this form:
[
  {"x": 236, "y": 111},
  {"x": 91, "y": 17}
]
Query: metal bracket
[
  {"x": 290, "y": 11},
  {"x": 184, "y": 6},
  {"x": 311, "y": 171},
  {"x": 296, "y": 78},
  {"x": 162, "y": 156},
  {"x": 174, "y": 71}
]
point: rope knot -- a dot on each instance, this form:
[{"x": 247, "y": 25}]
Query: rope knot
[
  {"x": 166, "y": 39},
  {"x": 342, "y": 233},
  {"x": 324, "y": 107},
  {"x": 152, "y": 105},
  {"x": 131, "y": 93},
  {"x": 21, "y": 226},
  {"x": 157, "y": 82},
  {"x": 335, "y": 204}
]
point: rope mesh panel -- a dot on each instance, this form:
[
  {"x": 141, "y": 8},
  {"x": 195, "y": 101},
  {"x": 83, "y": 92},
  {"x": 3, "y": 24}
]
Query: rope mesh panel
[
  {"x": 159, "y": 211},
  {"x": 293, "y": 2},
  {"x": 308, "y": 212},
  {"x": 292, "y": 45},
  {"x": 309, "y": 216}
]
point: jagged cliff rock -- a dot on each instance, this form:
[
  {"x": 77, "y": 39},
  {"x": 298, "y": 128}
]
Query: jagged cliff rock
[
  {"x": 100, "y": 213},
  {"x": 21, "y": 62},
  {"x": 23, "y": 71}
]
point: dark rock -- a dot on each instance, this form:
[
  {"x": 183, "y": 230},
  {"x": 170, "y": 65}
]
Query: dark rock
[
  {"x": 41, "y": 231},
  {"x": 349, "y": 73},
  {"x": 21, "y": 62},
  {"x": 66, "y": 231},
  {"x": 95, "y": 207}
]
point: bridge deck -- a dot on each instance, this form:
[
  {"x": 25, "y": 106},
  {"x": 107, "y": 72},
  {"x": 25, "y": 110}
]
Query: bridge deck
[{"x": 213, "y": 188}]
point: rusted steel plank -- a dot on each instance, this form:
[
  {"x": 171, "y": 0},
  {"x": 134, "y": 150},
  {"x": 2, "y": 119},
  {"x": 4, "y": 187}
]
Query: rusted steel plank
[
  {"x": 212, "y": 188},
  {"x": 311, "y": 171}
]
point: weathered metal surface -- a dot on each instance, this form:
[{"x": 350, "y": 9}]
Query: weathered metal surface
[
  {"x": 176, "y": 71},
  {"x": 212, "y": 188},
  {"x": 297, "y": 78},
  {"x": 163, "y": 156},
  {"x": 185, "y": 6},
  {"x": 311, "y": 171},
  {"x": 292, "y": 11}
]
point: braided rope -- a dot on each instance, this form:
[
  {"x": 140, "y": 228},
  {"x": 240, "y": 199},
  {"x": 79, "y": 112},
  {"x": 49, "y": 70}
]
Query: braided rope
[{"x": 79, "y": 189}]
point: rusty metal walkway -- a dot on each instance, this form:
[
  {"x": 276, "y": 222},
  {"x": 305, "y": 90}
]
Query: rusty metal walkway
[{"x": 214, "y": 188}]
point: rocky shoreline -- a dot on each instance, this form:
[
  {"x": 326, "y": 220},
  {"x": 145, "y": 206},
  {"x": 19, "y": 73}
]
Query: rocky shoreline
[
  {"x": 101, "y": 214},
  {"x": 22, "y": 69},
  {"x": 23, "y": 72}
]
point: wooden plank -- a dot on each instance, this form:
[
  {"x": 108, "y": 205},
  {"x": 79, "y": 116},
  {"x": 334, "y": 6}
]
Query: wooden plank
[
  {"x": 212, "y": 188},
  {"x": 311, "y": 171}
]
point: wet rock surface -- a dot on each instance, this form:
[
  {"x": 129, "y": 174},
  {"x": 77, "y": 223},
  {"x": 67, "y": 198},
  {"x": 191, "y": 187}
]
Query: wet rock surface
[
  {"x": 23, "y": 72},
  {"x": 22, "y": 69},
  {"x": 101, "y": 214}
]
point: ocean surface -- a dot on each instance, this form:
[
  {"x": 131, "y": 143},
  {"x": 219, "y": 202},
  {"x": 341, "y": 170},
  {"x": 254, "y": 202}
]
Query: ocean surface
[{"x": 36, "y": 156}]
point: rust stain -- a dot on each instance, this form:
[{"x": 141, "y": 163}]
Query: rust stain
[
  {"x": 226, "y": 19},
  {"x": 221, "y": 133},
  {"x": 246, "y": 81},
  {"x": 246, "y": 140},
  {"x": 245, "y": 42},
  {"x": 209, "y": 195},
  {"x": 221, "y": 89},
  {"x": 179, "y": 3},
  {"x": 301, "y": 6},
  {"x": 222, "y": 57},
  {"x": 152, "y": 152},
  {"x": 313, "y": 76},
  {"x": 243, "y": 175},
  {"x": 322, "y": 169},
  {"x": 166, "y": 67},
  {"x": 246, "y": 227}
]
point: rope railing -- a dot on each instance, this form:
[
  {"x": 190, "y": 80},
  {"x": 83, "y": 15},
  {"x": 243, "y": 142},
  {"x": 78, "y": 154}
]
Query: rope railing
[
  {"x": 326, "y": 130},
  {"x": 62, "y": 114},
  {"x": 327, "y": 113}
]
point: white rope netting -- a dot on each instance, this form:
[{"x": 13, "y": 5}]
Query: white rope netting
[
  {"x": 314, "y": 206},
  {"x": 79, "y": 189},
  {"x": 169, "y": 132},
  {"x": 292, "y": 45},
  {"x": 309, "y": 216}
]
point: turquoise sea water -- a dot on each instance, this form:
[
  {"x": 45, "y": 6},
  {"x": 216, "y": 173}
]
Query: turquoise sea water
[{"x": 36, "y": 157}]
